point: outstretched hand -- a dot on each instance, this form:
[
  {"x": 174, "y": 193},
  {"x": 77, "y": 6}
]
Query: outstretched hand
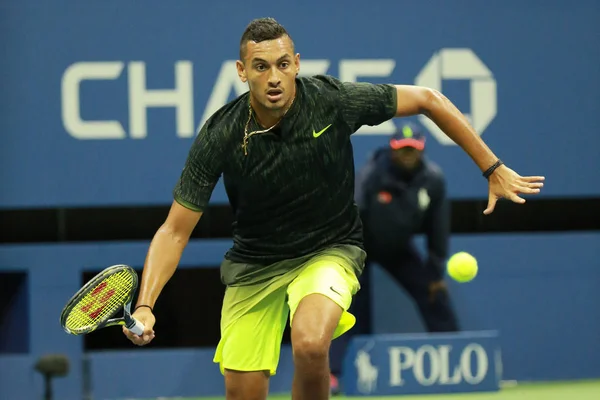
[{"x": 506, "y": 183}]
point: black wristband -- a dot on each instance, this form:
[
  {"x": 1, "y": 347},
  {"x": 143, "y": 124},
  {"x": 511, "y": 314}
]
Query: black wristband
[
  {"x": 143, "y": 305},
  {"x": 491, "y": 169}
]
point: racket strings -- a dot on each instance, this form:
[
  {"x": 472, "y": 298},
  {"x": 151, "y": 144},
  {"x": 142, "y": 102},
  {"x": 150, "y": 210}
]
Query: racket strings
[{"x": 100, "y": 303}]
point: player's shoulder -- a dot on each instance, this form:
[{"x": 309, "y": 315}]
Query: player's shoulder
[
  {"x": 228, "y": 118},
  {"x": 320, "y": 85}
]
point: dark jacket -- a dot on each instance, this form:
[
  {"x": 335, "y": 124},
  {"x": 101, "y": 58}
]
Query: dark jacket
[{"x": 395, "y": 206}]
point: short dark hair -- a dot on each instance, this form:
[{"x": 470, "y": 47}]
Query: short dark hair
[{"x": 261, "y": 29}]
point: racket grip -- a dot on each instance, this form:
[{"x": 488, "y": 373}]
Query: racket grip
[{"x": 137, "y": 328}]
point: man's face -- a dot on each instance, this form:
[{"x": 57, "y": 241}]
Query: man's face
[
  {"x": 407, "y": 157},
  {"x": 270, "y": 68}
]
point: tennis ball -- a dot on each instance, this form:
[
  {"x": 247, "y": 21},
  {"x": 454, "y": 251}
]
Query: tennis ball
[{"x": 462, "y": 267}]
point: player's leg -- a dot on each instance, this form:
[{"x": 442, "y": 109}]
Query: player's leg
[
  {"x": 361, "y": 309},
  {"x": 252, "y": 323},
  {"x": 246, "y": 385},
  {"x": 316, "y": 319},
  {"x": 428, "y": 291},
  {"x": 319, "y": 299}
]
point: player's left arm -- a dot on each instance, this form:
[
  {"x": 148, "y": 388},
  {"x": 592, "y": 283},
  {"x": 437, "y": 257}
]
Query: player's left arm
[
  {"x": 503, "y": 181},
  {"x": 437, "y": 227}
]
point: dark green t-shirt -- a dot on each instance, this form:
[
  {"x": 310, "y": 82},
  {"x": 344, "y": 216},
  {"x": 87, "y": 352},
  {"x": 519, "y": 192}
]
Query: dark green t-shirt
[{"x": 293, "y": 193}]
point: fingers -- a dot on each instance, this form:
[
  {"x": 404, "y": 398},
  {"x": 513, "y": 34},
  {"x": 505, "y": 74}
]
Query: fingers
[
  {"x": 532, "y": 184},
  {"x": 143, "y": 340},
  {"x": 510, "y": 185},
  {"x": 535, "y": 185},
  {"x": 528, "y": 185},
  {"x": 532, "y": 178},
  {"x": 146, "y": 318},
  {"x": 148, "y": 335},
  {"x": 513, "y": 197},
  {"x": 528, "y": 190},
  {"x": 491, "y": 205}
]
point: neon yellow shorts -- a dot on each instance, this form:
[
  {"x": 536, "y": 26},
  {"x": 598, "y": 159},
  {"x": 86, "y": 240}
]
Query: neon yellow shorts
[{"x": 254, "y": 316}]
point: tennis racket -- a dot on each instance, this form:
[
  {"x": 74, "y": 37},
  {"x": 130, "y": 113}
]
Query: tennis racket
[{"x": 94, "y": 305}]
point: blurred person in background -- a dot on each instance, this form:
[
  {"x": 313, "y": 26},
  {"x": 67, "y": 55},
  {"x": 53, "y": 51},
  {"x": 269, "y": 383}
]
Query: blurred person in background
[{"x": 401, "y": 193}]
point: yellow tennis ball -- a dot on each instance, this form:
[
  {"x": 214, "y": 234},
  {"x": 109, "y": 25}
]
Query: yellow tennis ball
[{"x": 462, "y": 267}]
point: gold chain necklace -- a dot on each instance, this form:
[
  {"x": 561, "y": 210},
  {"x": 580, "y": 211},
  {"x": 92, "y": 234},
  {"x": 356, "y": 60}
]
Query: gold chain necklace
[{"x": 248, "y": 135}]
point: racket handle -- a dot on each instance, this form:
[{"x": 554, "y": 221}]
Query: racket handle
[{"x": 137, "y": 328}]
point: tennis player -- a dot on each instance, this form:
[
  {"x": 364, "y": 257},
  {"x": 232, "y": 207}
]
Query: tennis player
[{"x": 284, "y": 151}]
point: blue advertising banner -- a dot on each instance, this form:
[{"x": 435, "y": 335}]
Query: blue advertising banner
[
  {"x": 402, "y": 364},
  {"x": 101, "y": 102}
]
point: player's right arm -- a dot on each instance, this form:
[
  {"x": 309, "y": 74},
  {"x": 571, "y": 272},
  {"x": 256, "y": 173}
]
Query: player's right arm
[
  {"x": 165, "y": 251},
  {"x": 202, "y": 170},
  {"x": 161, "y": 262}
]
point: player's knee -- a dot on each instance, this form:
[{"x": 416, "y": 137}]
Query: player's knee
[
  {"x": 244, "y": 394},
  {"x": 246, "y": 385},
  {"x": 308, "y": 348}
]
